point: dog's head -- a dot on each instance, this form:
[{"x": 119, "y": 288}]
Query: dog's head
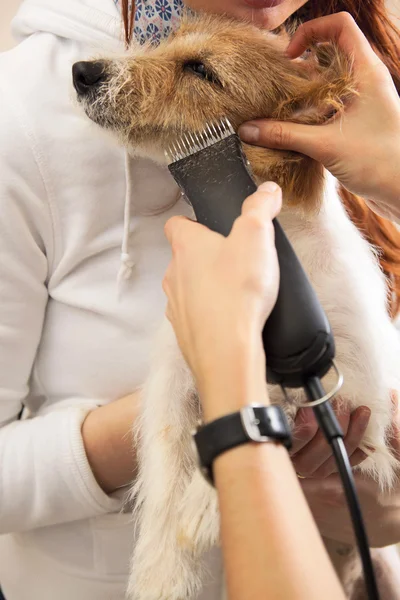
[{"x": 216, "y": 67}]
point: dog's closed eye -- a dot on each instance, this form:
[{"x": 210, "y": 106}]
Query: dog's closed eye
[{"x": 201, "y": 71}]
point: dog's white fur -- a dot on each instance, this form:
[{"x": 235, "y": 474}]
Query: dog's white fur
[{"x": 176, "y": 509}]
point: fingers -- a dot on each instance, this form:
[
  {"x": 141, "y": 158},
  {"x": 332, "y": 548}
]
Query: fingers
[
  {"x": 313, "y": 455},
  {"x": 304, "y": 430},
  {"x": 357, "y": 428},
  {"x": 284, "y": 136},
  {"x": 357, "y": 458},
  {"x": 357, "y": 425},
  {"x": 254, "y": 229},
  {"x": 339, "y": 28},
  {"x": 261, "y": 207}
]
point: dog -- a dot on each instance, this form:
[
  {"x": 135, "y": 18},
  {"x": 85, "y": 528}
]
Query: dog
[{"x": 212, "y": 68}]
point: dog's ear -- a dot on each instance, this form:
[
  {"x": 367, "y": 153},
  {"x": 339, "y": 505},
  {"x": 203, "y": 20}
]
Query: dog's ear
[
  {"x": 325, "y": 84},
  {"x": 321, "y": 85}
]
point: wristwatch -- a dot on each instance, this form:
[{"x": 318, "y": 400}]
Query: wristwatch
[{"x": 254, "y": 423}]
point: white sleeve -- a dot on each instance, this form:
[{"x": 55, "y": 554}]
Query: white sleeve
[{"x": 45, "y": 477}]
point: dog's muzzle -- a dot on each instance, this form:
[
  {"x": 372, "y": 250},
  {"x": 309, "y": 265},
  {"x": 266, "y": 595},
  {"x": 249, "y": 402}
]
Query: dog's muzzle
[{"x": 88, "y": 76}]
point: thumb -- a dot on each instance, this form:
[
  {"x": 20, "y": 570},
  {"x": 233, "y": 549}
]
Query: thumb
[
  {"x": 284, "y": 136},
  {"x": 265, "y": 203}
]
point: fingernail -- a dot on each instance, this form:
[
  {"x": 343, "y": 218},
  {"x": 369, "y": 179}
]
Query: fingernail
[
  {"x": 249, "y": 133},
  {"x": 270, "y": 187}
]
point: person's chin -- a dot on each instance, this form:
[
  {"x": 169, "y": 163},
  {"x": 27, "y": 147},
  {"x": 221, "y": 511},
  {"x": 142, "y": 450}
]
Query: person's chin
[
  {"x": 268, "y": 14},
  {"x": 268, "y": 18}
]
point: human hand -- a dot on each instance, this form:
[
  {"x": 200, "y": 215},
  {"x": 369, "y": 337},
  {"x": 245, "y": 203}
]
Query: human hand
[
  {"x": 361, "y": 147},
  {"x": 311, "y": 453},
  {"x": 108, "y": 441},
  {"x": 221, "y": 291},
  {"x": 324, "y": 490}
]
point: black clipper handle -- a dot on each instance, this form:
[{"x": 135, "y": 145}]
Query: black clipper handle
[{"x": 297, "y": 337}]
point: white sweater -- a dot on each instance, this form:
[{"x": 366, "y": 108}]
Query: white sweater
[{"x": 68, "y": 340}]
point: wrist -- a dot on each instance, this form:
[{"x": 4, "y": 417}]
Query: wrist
[
  {"x": 234, "y": 381},
  {"x": 388, "y": 192},
  {"x": 391, "y": 196}
]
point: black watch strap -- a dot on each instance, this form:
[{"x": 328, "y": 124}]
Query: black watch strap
[{"x": 255, "y": 423}]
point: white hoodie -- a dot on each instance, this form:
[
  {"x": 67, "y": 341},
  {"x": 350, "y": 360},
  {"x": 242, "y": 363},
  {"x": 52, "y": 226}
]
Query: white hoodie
[{"x": 68, "y": 340}]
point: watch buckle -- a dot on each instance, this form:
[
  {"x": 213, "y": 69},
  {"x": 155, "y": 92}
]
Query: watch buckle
[{"x": 251, "y": 424}]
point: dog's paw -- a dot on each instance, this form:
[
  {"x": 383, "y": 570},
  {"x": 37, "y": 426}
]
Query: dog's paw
[
  {"x": 199, "y": 516},
  {"x": 177, "y": 576}
]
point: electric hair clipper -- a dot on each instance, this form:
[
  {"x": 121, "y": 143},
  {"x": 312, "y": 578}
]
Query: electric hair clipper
[{"x": 213, "y": 173}]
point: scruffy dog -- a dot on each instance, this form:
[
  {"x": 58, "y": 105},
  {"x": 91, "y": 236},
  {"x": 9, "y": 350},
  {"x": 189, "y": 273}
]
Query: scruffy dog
[{"x": 214, "y": 68}]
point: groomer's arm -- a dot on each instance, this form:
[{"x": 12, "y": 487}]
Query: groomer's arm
[
  {"x": 271, "y": 545},
  {"x": 220, "y": 292}
]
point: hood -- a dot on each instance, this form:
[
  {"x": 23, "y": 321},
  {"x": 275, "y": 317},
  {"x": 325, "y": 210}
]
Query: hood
[{"x": 94, "y": 22}]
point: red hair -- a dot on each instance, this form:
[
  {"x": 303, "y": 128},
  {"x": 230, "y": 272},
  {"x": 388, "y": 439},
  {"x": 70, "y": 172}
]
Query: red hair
[
  {"x": 373, "y": 19},
  {"x": 128, "y": 17}
]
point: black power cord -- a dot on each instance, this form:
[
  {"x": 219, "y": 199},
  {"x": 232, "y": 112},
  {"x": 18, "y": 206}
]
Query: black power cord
[{"x": 328, "y": 423}]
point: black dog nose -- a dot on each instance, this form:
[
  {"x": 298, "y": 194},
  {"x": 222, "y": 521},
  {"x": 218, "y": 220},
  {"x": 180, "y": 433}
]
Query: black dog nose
[{"x": 87, "y": 75}]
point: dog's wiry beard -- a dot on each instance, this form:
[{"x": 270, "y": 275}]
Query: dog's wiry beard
[
  {"x": 98, "y": 111},
  {"x": 101, "y": 105},
  {"x": 113, "y": 107}
]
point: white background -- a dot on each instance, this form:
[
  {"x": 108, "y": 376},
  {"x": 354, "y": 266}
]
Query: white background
[{"x": 9, "y": 7}]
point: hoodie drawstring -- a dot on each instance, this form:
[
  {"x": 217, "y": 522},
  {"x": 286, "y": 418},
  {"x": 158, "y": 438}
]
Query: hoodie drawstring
[{"x": 127, "y": 264}]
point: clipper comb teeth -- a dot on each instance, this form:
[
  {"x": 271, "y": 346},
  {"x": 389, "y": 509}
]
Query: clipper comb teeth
[{"x": 190, "y": 143}]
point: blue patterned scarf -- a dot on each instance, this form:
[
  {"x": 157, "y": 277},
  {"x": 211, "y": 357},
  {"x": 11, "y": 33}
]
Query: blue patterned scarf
[{"x": 156, "y": 19}]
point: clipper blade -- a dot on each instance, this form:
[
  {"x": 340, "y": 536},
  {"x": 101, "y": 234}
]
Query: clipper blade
[{"x": 190, "y": 143}]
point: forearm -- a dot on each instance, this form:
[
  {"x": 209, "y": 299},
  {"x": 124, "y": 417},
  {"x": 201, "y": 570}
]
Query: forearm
[
  {"x": 270, "y": 541},
  {"x": 107, "y": 434},
  {"x": 271, "y": 544},
  {"x": 45, "y": 478}
]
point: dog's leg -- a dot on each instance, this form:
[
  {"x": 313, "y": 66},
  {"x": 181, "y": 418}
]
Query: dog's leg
[
  {"x": 169, "y": 493},
  {"x": 199, "y": 516}
]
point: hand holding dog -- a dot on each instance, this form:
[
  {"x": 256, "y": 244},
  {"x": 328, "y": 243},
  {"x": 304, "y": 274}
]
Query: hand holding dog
[
  {"x": 381, "y": 509},
  {"x": 220, "y": 292},
  {"x": 361, "y": 147}
]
